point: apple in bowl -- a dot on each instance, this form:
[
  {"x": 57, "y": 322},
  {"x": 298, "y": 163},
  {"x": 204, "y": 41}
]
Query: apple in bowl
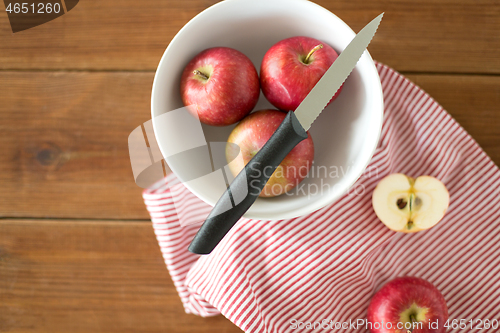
[
  {"x": 220, "y": 86},
  {"x": 292, "y": 67},
  {"x": 250, "y": 135}
]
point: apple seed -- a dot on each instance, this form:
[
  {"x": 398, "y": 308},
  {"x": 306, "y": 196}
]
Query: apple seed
[
  {"x": 418, "y": 202},
  {"x": 401, "y": 203}
]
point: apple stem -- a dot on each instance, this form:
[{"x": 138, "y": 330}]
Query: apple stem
[
  {"x": 200, "y": 73},
  {"x": 316, "y": 48},
  {"x": 413, "y": 320}
]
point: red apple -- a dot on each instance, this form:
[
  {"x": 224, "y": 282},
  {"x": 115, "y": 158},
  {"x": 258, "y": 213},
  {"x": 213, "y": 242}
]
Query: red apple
[
  {"x": 407, "y": 304},
  {"x": 292, "y": 67},
  {"x": 251, "y": 134},
  {"x": 221, "y": 86}
]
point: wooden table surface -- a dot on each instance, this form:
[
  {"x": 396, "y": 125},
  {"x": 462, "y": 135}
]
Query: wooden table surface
[{"x": 77, "y": 250}]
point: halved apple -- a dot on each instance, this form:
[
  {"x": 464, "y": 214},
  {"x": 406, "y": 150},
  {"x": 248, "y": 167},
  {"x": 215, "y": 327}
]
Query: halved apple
[{"x": 409, "y": 205}]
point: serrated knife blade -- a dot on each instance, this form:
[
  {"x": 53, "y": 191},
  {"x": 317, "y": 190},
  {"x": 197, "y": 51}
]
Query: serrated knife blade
[{"x": 317, "y": 99}]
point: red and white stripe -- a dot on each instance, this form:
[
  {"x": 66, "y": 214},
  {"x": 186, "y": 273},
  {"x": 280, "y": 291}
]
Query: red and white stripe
[{"x": 327, "y": 265}]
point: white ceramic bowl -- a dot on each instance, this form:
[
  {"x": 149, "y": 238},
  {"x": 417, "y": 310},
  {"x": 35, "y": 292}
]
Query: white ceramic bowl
[{"x": 345, "y": 134}]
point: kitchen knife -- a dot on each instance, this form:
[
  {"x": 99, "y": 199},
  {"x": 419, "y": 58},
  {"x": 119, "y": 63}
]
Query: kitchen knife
[{"x": 247, "y": 185}]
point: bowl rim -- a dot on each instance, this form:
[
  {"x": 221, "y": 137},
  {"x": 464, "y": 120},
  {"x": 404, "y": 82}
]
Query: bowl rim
[{"x": 322, "y": 200}]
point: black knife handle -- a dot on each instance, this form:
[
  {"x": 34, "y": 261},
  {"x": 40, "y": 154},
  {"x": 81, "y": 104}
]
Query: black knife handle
[{"x": 247, "y": 185}]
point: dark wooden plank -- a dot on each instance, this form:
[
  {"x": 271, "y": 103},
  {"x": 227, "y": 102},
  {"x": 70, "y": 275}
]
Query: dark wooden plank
[
  {"x": 431, "y": 36},
  {"x": 126, "y": 34},
  {"x": 66, "y": 276},
  {"x": 473, "y": 101},
  {"x": 426, "y": 36},
  {"x": 64, "y": 144},
  {"x": 64, "y": 137}
]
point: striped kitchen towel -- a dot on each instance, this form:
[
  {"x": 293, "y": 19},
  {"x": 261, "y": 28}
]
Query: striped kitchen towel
[{"x": 278, "y": 276}]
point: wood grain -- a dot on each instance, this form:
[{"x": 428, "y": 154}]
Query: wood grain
[
  {"x": 64, "y": 144},
  {"x": 89, "y": 276},
  {"x": 420, "y": 36},
  {"x": 473, "y": 100},
  {"x": 64, "y": 137}
]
